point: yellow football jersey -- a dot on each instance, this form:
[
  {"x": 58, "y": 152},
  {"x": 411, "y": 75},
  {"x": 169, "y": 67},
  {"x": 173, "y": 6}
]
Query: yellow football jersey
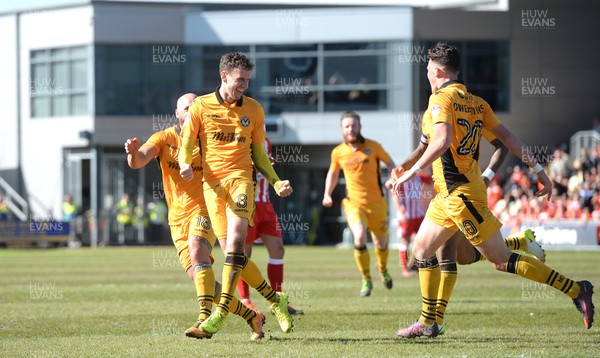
[
  {"x": 226, "y": 133},
  {"x": 361, "y": 169},
  {"x": 468, "y": 115},
  {"x": 183, "y": 197}
]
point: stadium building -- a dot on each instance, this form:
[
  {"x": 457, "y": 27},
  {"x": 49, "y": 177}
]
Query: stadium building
[{"x": 79, "y": 77}]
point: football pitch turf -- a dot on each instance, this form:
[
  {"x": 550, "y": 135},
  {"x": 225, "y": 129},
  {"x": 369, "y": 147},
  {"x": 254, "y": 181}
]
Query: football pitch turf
[{"x": 137, "y": 302}]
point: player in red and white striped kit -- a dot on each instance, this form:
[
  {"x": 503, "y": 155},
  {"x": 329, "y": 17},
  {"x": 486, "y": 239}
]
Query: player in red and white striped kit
[
  {"x": 411, "y": 204},
  {"x": 267, "y": 228}
]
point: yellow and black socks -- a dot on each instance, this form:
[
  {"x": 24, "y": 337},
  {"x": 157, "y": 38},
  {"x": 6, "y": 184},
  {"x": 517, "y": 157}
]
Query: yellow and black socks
[
  {"x": 363, "y": 261},
  {"x": 251, "y": 274},
  {"x": 429, "y": 279},
  {"x": 516, "y": 243},
  {"x": 232, "y": 269},
  {"x": 448, "y": 276},
  {"x": 204, "y": 280},
  {"x": 382, "y": 258},
  {"x": 535, "y": 270},
  {"x": 235, "y": 306}
]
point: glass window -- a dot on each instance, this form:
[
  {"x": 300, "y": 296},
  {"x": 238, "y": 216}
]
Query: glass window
[
  {"x": 59, "y": 82},
  {"x": 79, "y": 104},
  {"x": 484, "y": 70},
  {"x": 286, "y": 48},
  {"x": 148, "y": 79},
  {"x": 355, "y": 46},
  {"x": 60, "y": 74},
  {"x": 40, "y": 107},
  {"x": 355, "y": 100},
  {"x": 354, "y": 70},
  {"x": 60, "y": 105},
  {"x": 79, "y": 75},
  {"x": 287, "y": 78},
  {"x": 288, "y": 70}
]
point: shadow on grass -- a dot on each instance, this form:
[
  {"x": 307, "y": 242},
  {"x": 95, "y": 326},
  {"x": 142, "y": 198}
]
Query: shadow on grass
[{"x": 345, "y": 340}]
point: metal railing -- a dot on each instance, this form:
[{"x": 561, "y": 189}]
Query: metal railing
[{"x": 15, "y": 202}]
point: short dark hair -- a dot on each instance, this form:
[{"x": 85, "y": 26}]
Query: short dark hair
[
  {"x": 231, "y": 61},
  {"x": 446, "y": 55},
  {"x": 350, "y": 114}
]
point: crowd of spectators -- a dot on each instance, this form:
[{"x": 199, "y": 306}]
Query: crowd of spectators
[{"x": 576, "y": 191}]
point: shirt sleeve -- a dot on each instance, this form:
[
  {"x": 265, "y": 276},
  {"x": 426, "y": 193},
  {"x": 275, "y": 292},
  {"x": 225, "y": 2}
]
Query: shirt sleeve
[
  {"x": 189, "y": 132},
  {"x": 490, "y": 121},
  {"x": 157, "y": 140},
  {"x": 258, "y": 133},
  {"x": 489, "y": 136},
  {"x": 425, "y": 127},
  {"x": 383, "y": 155},
  {"x": 335, "y": 165},
  {"x": 440, "y": 108}
]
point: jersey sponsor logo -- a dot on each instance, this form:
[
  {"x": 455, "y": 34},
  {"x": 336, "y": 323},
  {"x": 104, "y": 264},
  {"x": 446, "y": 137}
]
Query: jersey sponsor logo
[
  {"x": 354, "y": 163},
  {"x": 175, "y": 165},
  {"x": 229, "y": 137},
  {"x": 245, "y": 121}
]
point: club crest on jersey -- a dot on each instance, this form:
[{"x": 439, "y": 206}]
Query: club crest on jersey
[
  {"x": 245, "y": 121},
  {"x": 367, "y": 151},
  {"x": 435, "y": 110}
]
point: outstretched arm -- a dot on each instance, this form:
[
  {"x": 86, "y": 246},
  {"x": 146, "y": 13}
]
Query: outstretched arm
[
  {"x": 518, "y": 148},
  {"x": 409, "y": 161},
  {"x": 441, "y": 139},
  {"x": 138, "y": 157},
  {"x": 500, "y": 153}
]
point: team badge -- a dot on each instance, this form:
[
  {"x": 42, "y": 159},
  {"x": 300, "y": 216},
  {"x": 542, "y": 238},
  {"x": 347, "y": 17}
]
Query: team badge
[
  {"x": 245, "y": 121},
  {"x": 367, "y": 151},
  {"x": 435, "y": 110}
]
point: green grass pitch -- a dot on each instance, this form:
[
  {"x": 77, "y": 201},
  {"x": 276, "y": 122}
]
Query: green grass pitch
[{"x": 136, "y": 302}]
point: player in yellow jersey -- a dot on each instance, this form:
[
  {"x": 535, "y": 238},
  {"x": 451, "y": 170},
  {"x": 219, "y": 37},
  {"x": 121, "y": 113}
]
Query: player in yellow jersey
[
  {"x": 458, "y": 250},
  {"x": 230, "y": 127},
  {"x": 365, "y": 205},
  {"x": 453, "y": 131},
  {"x": 188, "y": 219}
]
